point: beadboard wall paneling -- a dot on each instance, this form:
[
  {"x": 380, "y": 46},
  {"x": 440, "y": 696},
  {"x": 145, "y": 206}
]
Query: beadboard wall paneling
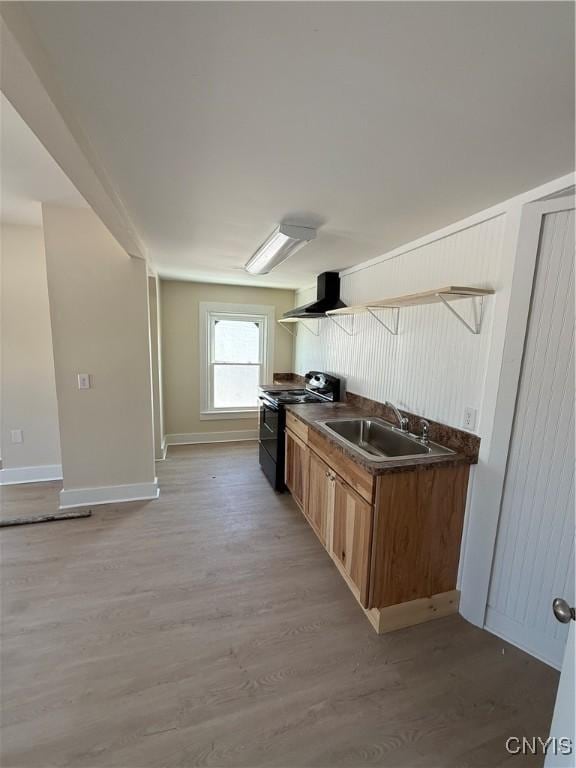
[
  {"x": 534, "y": 558},
  {"x": 434, "y": 367}
]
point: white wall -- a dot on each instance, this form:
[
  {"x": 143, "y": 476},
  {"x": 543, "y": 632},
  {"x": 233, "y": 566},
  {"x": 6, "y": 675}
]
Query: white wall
[
  {"x": 434, "y": 366},
  {"x": 99, "y": 315},
  {"x": 28, "y": 388},
  {"x": 180, "y": 302}
]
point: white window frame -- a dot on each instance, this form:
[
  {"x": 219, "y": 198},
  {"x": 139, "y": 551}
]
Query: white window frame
[{"x": 262, "y": 313}]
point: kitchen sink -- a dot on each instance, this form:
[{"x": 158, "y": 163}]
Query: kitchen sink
[{"x": 380, "y": 441}]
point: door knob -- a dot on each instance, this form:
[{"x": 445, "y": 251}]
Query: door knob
[{"x": 563, "y": 612}]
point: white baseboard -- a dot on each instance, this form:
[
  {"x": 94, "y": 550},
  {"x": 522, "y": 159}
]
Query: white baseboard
[
  {"x": 40, "y": 474},
  {"x": 108, "y": 494},
  {"x": 194, "y": 438}
]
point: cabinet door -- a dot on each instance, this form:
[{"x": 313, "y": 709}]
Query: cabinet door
[
  {"x": 321, "y": 499},
  {"x": 296, "y": 469},
  {"x": 352, "y": 537}
]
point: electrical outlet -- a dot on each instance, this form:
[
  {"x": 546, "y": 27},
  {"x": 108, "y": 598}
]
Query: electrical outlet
[
  {"x": 16, "y": 436},
  {"x": 83, "y": 381},
  {"x": 469, "y": 420}
]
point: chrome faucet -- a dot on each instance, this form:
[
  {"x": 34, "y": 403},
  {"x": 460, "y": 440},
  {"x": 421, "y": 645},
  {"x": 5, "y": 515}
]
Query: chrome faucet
[
  {"x": 402, "y": 420},
  {"x": 425, "y": 430}
]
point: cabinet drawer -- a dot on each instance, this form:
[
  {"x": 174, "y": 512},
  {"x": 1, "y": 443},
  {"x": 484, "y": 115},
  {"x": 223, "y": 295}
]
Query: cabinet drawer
[
  {"x": 360, "y": 481},
  {"x": 297, "y": 427}
]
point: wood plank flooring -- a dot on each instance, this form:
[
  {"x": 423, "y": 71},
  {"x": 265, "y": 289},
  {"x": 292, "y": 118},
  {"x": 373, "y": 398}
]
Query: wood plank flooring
[
  {"x": 30, "y": 499},
  {"x": 209, "y": 628}
]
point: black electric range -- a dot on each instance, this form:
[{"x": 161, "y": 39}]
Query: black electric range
[{"x": 320, "y": 387}]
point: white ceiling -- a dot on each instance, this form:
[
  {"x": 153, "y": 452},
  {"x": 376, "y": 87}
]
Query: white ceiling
[
  {"x": 379, "y": 122},
  {"x": 28, "y": 176}
]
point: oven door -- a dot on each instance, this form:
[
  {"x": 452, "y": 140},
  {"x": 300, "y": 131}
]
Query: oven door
[{"x": 269, "y": 428}]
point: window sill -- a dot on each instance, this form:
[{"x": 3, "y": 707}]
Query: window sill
[{"x": 230, "y": 414}]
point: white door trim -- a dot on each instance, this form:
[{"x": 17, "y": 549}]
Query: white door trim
[
  {"x": 563, "y": 720},
  {"x": 504, "y": 367}
]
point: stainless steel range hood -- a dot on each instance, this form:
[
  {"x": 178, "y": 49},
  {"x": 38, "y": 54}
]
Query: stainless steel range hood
[{"x": 327, "y": 297}]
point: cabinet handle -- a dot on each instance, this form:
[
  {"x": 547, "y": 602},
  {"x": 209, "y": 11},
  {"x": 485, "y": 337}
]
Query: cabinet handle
[{"x": 328, "y": 474}]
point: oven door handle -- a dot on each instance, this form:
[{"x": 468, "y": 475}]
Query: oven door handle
[
  {"x": 267, "y": 404},
  {"x": 266, "y": 431},
  {"x": 269, "y": 429}
]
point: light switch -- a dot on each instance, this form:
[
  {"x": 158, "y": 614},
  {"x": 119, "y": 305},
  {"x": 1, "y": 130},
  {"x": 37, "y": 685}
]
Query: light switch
[
  {"x": 83, "y": 381},
  {"x": 16, "y": 436}
]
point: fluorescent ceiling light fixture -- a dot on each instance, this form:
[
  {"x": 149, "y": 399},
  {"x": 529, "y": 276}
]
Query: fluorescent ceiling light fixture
[{"x": 282, "y": 243}]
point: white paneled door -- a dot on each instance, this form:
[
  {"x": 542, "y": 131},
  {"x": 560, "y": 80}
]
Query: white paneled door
[{"x": 534, "y": 555}]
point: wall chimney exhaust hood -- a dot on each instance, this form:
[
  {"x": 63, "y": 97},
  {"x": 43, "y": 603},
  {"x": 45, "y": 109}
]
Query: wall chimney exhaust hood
[
  {"x": 327, "y": 297},
  {"x": 282, "y": 243}
]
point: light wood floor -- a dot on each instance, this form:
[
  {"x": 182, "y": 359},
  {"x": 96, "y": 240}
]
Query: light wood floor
[{"x": 210, "y": 628}]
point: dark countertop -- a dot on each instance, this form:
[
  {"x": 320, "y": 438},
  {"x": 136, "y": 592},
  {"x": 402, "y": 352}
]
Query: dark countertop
[
  {"x": 311, "y": 413},
  {"x": 280, "y": 384}
]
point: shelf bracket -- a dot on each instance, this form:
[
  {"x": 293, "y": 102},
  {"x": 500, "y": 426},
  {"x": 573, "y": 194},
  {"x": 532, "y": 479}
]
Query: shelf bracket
[
  {"x": 285, "y": 327},
  {"x": 342, "y": 327},
  {"x": 301, "y": 322},
  {"x": 395, "y": 318},
  {"x": 477, "y": 308},
  {"x": 314, "y": 333}
]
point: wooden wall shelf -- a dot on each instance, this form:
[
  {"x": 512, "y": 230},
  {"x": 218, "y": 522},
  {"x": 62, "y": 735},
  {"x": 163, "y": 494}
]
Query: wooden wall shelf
[{"x": 445, "y": 296}]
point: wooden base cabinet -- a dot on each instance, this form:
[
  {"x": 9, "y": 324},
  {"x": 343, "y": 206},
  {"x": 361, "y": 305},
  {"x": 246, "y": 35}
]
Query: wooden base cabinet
[
  {"x": 342, "y": 520},
  {"x": 296, "y": 469},
  {"x": 352, "y": 538},
  {"x": 395, "y": 538},
  {"x": 417, "y": 534},
  {"x": 320, "y": 507}
]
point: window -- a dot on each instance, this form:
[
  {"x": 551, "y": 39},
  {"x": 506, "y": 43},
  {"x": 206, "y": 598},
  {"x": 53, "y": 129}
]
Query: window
[{"x": 237, "y": 352}]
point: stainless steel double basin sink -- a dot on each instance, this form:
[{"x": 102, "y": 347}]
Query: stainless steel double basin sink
[{"x": 378, "y": 440}]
